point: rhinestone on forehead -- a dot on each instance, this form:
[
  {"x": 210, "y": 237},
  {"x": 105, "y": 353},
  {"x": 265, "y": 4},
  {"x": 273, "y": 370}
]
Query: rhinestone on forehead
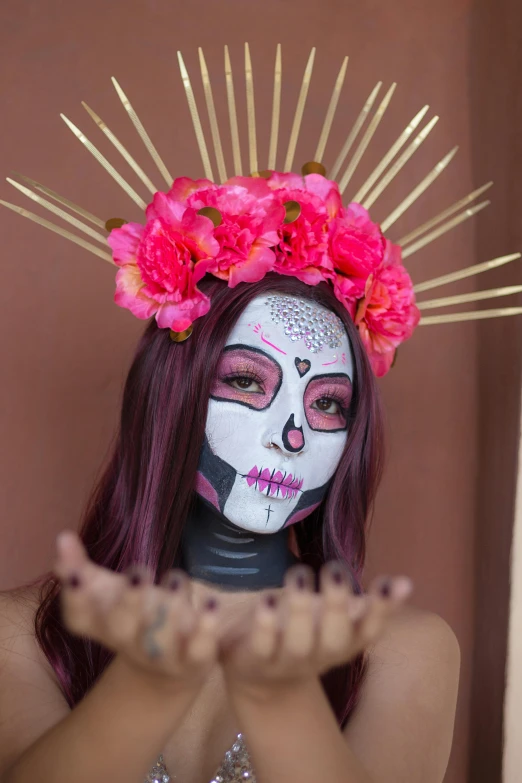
[{"x": 302, "y": 320}]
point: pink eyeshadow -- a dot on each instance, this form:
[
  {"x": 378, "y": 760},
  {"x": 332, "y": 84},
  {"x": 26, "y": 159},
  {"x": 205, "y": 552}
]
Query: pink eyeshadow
[
  {"x": 339, "y": 390},
  {"x": 250, "y": 364}
]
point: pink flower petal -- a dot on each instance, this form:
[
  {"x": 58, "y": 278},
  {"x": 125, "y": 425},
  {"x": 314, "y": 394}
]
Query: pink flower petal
[
  {"x": 178, "y": 316},
  {"x": 124, "y": 242},
  {"x": 183, "y": 187},
  {"x": 129, "y": 293}
]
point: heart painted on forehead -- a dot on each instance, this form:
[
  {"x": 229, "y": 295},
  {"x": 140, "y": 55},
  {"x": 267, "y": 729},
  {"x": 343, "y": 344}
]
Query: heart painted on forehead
[{"x": 303, "y": 365}]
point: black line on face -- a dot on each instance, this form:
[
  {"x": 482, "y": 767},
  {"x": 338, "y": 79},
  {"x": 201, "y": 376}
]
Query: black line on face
[
  {"x": 243, "y": 347},
  {"x": 309, "y": 498},
  {"x": 218, "y": 473},
  {"x": 290, "y": 425},
  {"x": 328, "y": 375},
  {"x": 302, "y": 366}
]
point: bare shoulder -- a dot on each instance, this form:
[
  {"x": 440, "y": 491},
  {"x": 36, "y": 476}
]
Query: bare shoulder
[
  {"x": 30, "y": 698},
  {"x": 17, "y": 614},
  {"x": 415, "y": 638},
  {"x": 402, "y": 728}
]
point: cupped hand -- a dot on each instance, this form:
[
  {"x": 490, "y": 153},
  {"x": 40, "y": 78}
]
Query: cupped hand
[
  {"x": 155, "y": 628},
  {"x": 298, "y": 633}
]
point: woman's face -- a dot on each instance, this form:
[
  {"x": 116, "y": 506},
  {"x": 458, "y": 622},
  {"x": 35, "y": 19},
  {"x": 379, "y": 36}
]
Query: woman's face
[{"x": 277, "y": 417}]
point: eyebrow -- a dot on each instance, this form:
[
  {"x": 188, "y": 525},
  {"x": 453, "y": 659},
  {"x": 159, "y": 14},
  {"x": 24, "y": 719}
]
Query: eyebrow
[
  {"x": 250, "y": 348},
  {"x": 340, "y": 377}
]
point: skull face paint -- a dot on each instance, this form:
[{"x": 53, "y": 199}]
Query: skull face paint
[{"x": 277, "y": 418}]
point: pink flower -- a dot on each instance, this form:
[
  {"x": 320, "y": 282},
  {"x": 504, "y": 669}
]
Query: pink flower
[
  {"x": 356, "y": 244},
  {"x": 162, "y": 262},
  {"x": 248, "y": 229},
  {"x": 386, "y": 316}
]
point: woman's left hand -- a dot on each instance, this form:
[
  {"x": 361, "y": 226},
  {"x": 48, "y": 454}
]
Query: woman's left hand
[{"x": 297, "y": 633}]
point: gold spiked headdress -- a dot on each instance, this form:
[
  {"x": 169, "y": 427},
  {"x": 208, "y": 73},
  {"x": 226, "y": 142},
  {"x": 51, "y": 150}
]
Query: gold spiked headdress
[{"x": 348, "y": 159}]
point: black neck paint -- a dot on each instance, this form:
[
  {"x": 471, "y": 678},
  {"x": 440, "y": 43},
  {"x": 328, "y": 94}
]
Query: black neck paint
[{"x": 215, "y": 551}]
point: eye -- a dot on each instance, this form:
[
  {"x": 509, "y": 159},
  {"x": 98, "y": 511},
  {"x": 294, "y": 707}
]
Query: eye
[
  {"x": 327, "y": 405},
  {"x": 244, "y": 383}
]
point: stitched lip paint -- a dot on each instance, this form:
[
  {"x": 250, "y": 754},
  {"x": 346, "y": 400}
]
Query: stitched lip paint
[{"x": 273, "y": 482}]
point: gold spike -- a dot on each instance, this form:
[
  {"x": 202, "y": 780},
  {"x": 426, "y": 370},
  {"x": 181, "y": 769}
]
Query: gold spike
[
  {"x": 214, "y": 127},
  {"x": 400, "y": 162},
  {"x": 109, "y": 168},
  {"x": 57, "y": 211},
  {"x": 144, "y": 136},
  {"x": 296, "y": 127},
  {"x": 58, "y": 230},
  {"x": 443, "y": 229},
  {"x": 61, "y": 200},
  {"x": 460, "y": 274},
  {"x": 474, "y": 315},
  {"x": 232, "y": 113},
  {"x": 200, "y": 137},
  {"x": 442, "y": 216},
  {"x": 276, "y": 109},
  {"x": 121, "y": 149},
  {"x": 359, "y": 122},
  {"x": 361, "y": 149},
  {"x": 401, "y": 141},
  {"x": 476, "y": 296},
  {"x": 330, "y": 113},
  {"x": 251, "y": 110},
  {"x": 412, "y": 197}
]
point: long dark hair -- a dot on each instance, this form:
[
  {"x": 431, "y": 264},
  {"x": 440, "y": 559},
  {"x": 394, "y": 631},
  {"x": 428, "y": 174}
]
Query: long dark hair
[{"x": 137, "y": 511}]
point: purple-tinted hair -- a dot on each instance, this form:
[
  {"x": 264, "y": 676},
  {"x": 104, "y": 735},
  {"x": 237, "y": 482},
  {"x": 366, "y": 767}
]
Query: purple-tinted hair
[{"x": 137, "y": 511}]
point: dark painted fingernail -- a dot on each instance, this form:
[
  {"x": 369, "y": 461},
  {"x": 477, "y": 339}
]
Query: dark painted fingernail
[
  {"x": 210, "y": 605},
  {"x": 135, "y": 580},
  {"x": 173, "y": 583},
  {"x": 300, "y": 582},
  {"x": 385, "y": 589},
  {"x": 73, "y": 581},
  {"x": 270, "y": 601},
  {"x": 337, "y": 574}
]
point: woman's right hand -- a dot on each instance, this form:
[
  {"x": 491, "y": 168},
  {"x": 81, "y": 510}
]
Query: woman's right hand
[{"x": 155, "y": 628}]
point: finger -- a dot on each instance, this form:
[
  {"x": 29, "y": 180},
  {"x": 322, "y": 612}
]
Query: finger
[
  {"x": 265, "y": 631},
  {"x": 71, "y": 556},
  {"x": 201, "y": 646},
  {"x": 336, "y": 623},
  {"x": 128, "y": 609},
  {"x": 177, "y": 587},
  {"x": 298, "y": 633}
]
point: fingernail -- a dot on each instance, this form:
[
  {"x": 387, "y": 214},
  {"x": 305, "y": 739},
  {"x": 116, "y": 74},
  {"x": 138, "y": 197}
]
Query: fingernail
[
  {"x": 300, "y": 582},
  {"x": 173, "y": 583},
  {"x": 73, "y": 581},
  {"x": 337, "y": 574},
  {"x": 210, "y": 605},
  {"x": 270, "y": 601},
  {"x": 385, "y": 588},
  {"x": 134, "y": 579}
]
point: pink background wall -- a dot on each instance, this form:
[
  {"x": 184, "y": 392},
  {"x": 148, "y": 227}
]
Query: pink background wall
[{"x": 65, "y": 347}]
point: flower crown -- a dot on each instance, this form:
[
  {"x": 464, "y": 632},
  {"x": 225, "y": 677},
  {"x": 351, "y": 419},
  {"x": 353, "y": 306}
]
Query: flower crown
[
  {"x": 249, "y": 226},
  {"x": 238, "y": 229}
]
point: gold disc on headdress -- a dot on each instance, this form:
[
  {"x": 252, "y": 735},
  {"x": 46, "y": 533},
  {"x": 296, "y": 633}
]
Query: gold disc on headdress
[
  {"x": 115, "y": 223},
  {"x": 313, "y": 167},
  {"x": 212, "y": 213},
  {"x": 293, "y": 210},
  {"x": 180, "y": 337}
]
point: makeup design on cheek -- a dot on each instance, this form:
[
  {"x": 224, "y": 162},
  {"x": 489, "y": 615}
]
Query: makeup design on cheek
[
  {"x": 247, "y": 376},
  {"x": 326, "y": 402}
]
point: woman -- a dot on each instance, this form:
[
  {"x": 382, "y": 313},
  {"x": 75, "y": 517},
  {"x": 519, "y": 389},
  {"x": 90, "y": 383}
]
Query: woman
[
  {"x": 194, "y": 661},
  {"x": 185, "y": 624}
]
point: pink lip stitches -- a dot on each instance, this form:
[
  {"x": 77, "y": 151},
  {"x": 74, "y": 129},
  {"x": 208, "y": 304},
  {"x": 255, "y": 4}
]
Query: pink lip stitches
[{"x": 273, "y": 482}]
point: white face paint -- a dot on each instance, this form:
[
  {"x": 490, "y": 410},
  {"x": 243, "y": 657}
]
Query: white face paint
[{"x": 277, "y": 417}]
